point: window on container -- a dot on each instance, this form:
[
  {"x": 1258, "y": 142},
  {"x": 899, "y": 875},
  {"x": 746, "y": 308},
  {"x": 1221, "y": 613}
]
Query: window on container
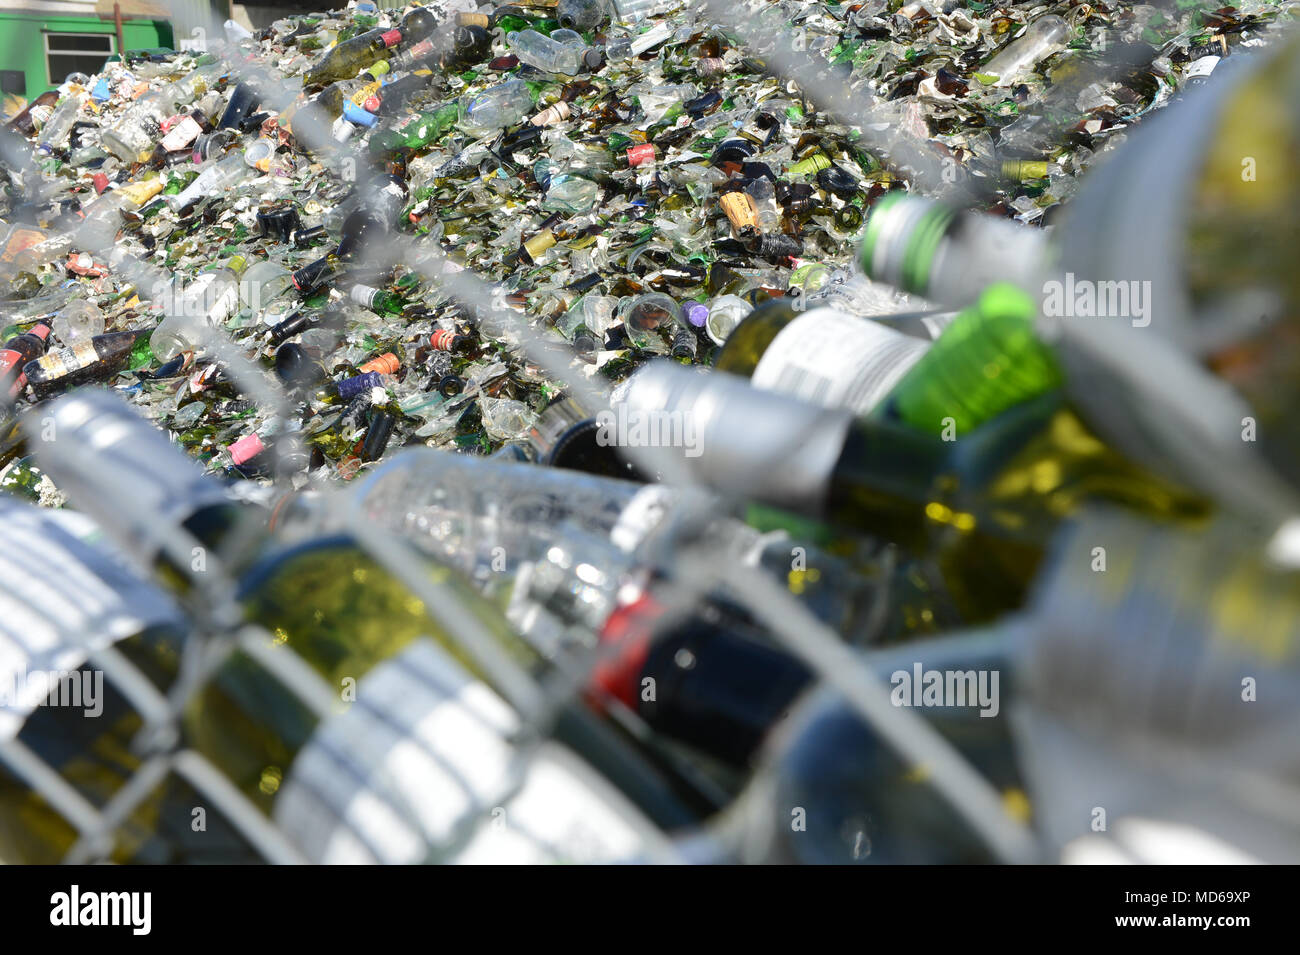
[{"x": 67, "y": 53}]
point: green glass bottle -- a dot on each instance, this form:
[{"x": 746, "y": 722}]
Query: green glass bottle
[
  {"x": 979, "y": 509},
  {"x": 416, "y": 131},
  {"x": 988, "y": 360}
]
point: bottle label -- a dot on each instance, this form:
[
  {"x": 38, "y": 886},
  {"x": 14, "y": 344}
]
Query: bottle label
[
  {"x": 425, "y": 761},
  {"x": 363, "y": 295},
  {"x": 837, "y": 360},
  {"x": 47, "y": 556}
]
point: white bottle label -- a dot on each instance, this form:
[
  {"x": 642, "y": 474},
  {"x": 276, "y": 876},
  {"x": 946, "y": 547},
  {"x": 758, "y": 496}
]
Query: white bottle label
[
  {"x": 363, "y": 295},
  {"x": 423, "y": 760},
  {"x": 837, "y": 360}
]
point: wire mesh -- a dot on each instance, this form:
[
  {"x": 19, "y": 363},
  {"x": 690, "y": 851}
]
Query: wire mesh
[{"x": 699, "y": 568}]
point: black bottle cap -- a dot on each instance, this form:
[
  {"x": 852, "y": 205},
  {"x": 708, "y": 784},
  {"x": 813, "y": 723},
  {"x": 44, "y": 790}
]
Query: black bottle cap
[
  {"x": 278, "y": 220},
  {"x": 838, "y": 180},
  {"x": 732, "y": 150}
]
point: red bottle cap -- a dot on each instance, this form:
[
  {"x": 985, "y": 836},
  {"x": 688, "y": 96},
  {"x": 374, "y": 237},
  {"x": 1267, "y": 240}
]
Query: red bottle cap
[
  {"x": 391, "y": 37},
  {"x": 628, "y": 630},
  {"x": 639, "y": 155},
  {"x": 443, "y": 340}
]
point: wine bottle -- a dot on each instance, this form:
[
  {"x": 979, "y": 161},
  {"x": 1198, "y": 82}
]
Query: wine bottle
[
  {"x": 1113, "y": 675},
  {"x": 856, "y": 800},
  {"x": 88, "y": 361},
  {"x": 1207, "y": 255},
  {"x": 582, "y": 557},
  {"x": 271, "y": 718},
  {"x": 358, "y": 229},
  {"x": 34, "y": 114},
  {"x": 345, "y": 60},
  {"x": 983, "y": 505},
  {"x": 987, "y": 360},
  {"x": 416, "y": 130},
  {"x": 204, "y": 304}
]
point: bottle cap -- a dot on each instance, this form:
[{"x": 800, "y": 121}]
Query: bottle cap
[
  {"x": 640, "y": 155},
  {"x": 245, "y": 449},
  {"x": 258, "y": 154},
  {"x": 696, "y": 313},
  {"x": 385, "y": 364},
  {"x": 349, "y": 388},
  {"x": 278, "y": 220},
  {"x": 355, "y": 114}
]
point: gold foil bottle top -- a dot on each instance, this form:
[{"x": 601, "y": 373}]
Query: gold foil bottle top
[
  {"x": 1020, "y": 170},
  {"x": 539, "y": 243}
]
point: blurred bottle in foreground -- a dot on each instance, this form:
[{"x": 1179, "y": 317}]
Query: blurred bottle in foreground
[
  {"x": 1116, "y": 716},
  {"x": 981, "y": 507},
  {"x": 274, "y": 718},
  {"x": 1198, "y": 211}
]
